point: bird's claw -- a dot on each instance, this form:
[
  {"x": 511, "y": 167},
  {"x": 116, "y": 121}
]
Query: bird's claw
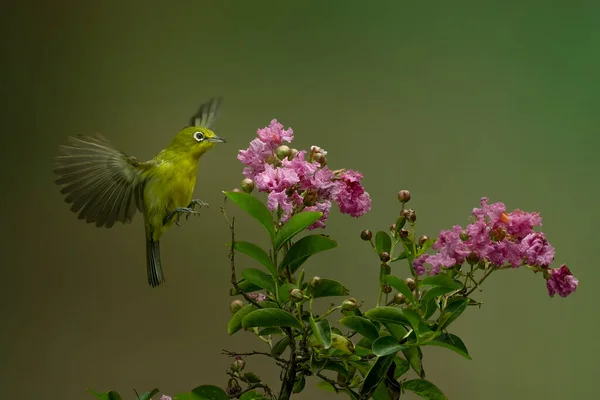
[
  {"x": 197, "y": 202},
  {"x": 178, "y": 212}
]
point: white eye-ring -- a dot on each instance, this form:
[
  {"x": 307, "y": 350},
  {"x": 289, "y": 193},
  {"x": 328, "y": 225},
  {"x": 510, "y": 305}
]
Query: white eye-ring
[{"x": 199, "y": 136}]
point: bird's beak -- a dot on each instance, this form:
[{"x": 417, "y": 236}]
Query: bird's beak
[{"x": 217, "y": 139}]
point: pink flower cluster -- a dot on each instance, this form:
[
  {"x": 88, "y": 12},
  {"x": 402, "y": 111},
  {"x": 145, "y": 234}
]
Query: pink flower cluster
[
  {"x": 499, "y": 238},
  {"x": 296, "y": 184}
]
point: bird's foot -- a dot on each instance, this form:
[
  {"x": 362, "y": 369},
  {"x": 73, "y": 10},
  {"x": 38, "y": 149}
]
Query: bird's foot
[
  {"x": 197, "y": 202},
  {"x": 178, "y": 212}
]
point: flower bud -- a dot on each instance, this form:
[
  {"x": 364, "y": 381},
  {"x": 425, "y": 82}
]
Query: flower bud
[
  {"x": 366, "y": 235},
  {"x": 296, "y": 295},
  {"x": 410, "y": 282},
  {"x": 310, "y": 198},
  {"x": 463, "y": 236},
  {"x": 314, "y": 282},
  {"x": 238, "y": 364},
  {"x": 404, "y": 196},
  {"x": 247, "y": 185},
  {"x": 282, "y": 151},
  {"x": 292, "y": 155},
  {"x": 404, "y": 233},
  {"x": 233, "y": 388},
  {"x": 403, "y": 212},
  {"x": 236, "y": 190},
  {"x": 384, "y": 256},
  {"x": 422, "y": 240},
  {"x": 349, "y": 304},
  {"x": 386, "y": 289},
  {"x": 399, "y": 298},
  {"x": 411, "y": 215},
  {"x": 393, "y": 228},
  {"x": 321, "y": 159},
  {"x": 385, "y": 269},
  {"x": 472, "y": 259},
  {"x": 235, "y": 306}
]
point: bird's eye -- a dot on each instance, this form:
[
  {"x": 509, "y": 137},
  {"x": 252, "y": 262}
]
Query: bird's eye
[{"x": 199, "y": 136}]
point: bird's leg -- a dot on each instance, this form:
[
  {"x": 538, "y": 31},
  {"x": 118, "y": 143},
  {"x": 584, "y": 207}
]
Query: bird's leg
[
  {"x": 177, "y": 213},
  {"x": 197, "y": 202}
]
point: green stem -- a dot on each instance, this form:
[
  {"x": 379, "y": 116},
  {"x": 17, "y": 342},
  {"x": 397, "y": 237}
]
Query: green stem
[
  {"x": 487, "y": 273},
  {"x": 328, "y": 312}
]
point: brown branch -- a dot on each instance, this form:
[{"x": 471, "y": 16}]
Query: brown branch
[
  {"x": 251, "y": 353},
  {"x": 232, "y": 258},
  {"x": 330, "y": 381}
]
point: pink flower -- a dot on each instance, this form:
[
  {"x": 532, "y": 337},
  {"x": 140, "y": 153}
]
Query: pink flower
[
  {"x": 561, "y": 281},
  {"x": 440, "y": 260},
  {"x": 419, "y": 264},
  {"x": 521, "y": 223},
  {"x": 324, "y": 207},
  {"x": 479, "y": 238},
  {"x": 280, "y": 200},
  {"x": 493, "y": 212},
  {"x": 450, "y": 244},
  {"x": 351, "y": 196},
  {"x": 274, "y": 134},
  {"x": 254, "y": 157},
  {"x": 537, "y": 250},
  {"x": 165, "y": 397},
  {"x": 275, "y": 179},
  {"x": 257, "y": 296},
  {"x": 303, "y": 168}
]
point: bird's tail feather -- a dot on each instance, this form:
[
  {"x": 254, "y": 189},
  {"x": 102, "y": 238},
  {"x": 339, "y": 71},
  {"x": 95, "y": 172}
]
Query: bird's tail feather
[{"x": 155, "y": 274}]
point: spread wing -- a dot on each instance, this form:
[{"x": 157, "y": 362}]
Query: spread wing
[
  {"x": 207, "y": 114},
  {"x": 103, "y": 184}
]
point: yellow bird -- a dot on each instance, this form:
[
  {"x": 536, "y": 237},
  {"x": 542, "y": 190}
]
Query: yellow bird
[{"x": 105, "y": 185}]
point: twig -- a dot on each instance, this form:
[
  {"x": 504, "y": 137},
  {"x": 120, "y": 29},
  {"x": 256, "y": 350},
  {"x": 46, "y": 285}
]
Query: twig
[
  {"x": 251, "y": 353},
  {"x": 289, "y": 378},
  {"x": 262, "y": 386},
  {"x": 477, "y": 284},
  {"x": 232, "y": 258},
  {"x": 330, "y": 381}
]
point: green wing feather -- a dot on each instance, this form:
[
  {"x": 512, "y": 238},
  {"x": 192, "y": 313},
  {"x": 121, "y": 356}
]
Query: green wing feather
[
  {"x": 207, "y": 114},
  {"x": 104, "y": 185}
]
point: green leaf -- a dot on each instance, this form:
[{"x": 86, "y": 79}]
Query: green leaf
[
  {"x": 148, "y": 395},
  {"x": 251, "y": 377},
  {"x": 336, "y": 367},
  {"x": 110, "y": 395},
  {"x": 273, "y": 330},
  {"x": 362, "y": 351},
  {"x": 322, "y": 331},
  {"x": 259, "y": 278},
  {"x": 295, "y": 225},
  {"x": 383, "y": 242},
  {"x": 329, "y": 287},
  {"x": 255, "y": 208},
  {"x": 387, "y": 314},
  {"x": 280, "y": 347},
  {"x": 258, "y": 254},
  {"x": 284, "y": 291},
  {"x": 402, "y": 366},
  {"x": 396, "y": 330},
  {"x": 441, "y": 280},
  {"x": 386, "y": 345},
  {"x": 299, "y": 385},
  {"x": 235, "y": 323},
  {"x": 428, "y": 243},
  {"x": 401, "y": 256},
  {"x": 363, "y": 367},
  {"x": 304, "y": 248},
  {"x": 270, "y": 317},
  {"x": 434, "y": 292},
  {"x": 245, "y": 287},
  {"x": 401, "y": 287},
  {"x": 429, "y": 308},
  {"x": 451, "y": 312},
  {"x": 252, "y": 395},
  {"x": 418, "y": 325},
  {"x": 415, "y": 359},
  {"x": 425, "y": 389},
  {"x": 324, "y": 385},
  {"x": 210, "y": 392},
  {"x": 451, "y": 342},
  {"x": 316, "y": 364},
  {"x": 361, "y": 325},
  {"x": 376, "y": 374}
]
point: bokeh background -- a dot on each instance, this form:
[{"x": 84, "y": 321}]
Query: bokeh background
[{"x": 452, "y": 100}]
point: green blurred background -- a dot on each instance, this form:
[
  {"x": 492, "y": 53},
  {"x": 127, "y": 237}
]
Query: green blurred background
[{"x": 452, "y": 100}]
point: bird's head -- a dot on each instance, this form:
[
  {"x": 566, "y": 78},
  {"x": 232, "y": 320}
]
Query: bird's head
[{"x": 198, "y": 138}]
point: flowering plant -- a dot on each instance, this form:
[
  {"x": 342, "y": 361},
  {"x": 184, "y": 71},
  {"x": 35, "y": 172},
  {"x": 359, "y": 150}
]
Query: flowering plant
[{"x": 369, "y": 352}]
